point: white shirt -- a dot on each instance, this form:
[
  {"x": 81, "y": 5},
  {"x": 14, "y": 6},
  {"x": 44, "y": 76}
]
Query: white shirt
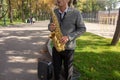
[{"x": 63, "y": 13}]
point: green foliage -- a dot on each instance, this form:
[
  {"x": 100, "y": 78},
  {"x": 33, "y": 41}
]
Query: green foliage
[
  {"x": 23, "y": 9},
  {"x": 111, "y": 4},
  {"x": 95, "y": 5},
  {"x": 90, "y": 5},
  {"x": 96, "y": 59}
]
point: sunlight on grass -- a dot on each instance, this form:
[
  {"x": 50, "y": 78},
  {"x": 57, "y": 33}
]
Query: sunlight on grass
[
  {"x": 117, "y": 73},
  {"x": 96, "y": 59}
]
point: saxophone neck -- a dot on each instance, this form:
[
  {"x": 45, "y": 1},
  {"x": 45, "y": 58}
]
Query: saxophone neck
[{"x": 52, "y": 11}]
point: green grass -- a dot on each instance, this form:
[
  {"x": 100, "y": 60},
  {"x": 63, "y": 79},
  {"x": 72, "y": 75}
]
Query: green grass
[
  {"x": 96, "y": 59},
  {"x": 8, "y": 22}
]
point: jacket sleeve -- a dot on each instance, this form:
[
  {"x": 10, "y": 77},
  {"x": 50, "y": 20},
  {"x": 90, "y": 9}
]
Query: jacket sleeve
[{"x": 80, "y": 27}]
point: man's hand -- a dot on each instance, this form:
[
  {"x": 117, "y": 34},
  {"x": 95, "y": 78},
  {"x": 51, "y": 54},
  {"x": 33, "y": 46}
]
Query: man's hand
[
  {"x": 64, "y": 39},
  {"x": 52, "y": 27}
]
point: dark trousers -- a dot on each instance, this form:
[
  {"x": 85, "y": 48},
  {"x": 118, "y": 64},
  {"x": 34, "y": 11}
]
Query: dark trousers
[{"x": 65, "y": 58}]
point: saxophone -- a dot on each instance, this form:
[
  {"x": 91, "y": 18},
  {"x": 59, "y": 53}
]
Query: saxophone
[{"x": 56, "y": 34}]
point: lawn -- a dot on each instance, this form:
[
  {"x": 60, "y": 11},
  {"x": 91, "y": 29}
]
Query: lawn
[
  {"x": 8, "y": 22},
  {"x": 96, "y": 59}
]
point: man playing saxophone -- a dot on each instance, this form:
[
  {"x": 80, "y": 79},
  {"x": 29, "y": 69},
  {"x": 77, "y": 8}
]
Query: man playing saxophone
[{"x": 71, "y": 26}]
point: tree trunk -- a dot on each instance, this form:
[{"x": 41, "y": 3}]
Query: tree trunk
[
  {"x": 10, "y": 12},
  {"x": 37, "y": 10},
  {"x": 30, "y": 8},
  {"x": 23, "y": 14},
  {"x": 1, "y": 2},
  {"x": 117, "y": 32}
]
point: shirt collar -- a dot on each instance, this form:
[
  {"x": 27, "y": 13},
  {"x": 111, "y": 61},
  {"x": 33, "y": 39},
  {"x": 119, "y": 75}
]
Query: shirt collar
[{"x": 65, "y": 11}]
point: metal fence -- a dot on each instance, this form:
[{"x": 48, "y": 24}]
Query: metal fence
[
  {"x": 90, "y": 17},
  {"x": 101, "y": 17}
]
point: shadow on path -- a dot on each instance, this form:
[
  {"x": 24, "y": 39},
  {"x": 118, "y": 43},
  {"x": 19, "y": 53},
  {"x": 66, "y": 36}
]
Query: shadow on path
[{"x": 19, "y": 51}]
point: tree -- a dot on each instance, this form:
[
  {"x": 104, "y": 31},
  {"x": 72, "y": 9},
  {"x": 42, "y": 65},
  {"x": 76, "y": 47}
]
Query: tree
[
  {"x": 90, "y": 5},
  {"x": 3, "y": 9},
  {"x": 10, "y": 11},
  {"x": 117, "y": 32},
  {"x": 111, "y": 4}
]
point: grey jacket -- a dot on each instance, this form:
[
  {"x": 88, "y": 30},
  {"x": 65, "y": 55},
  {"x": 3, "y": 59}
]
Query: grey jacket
[{"x": 71, "y": 26}]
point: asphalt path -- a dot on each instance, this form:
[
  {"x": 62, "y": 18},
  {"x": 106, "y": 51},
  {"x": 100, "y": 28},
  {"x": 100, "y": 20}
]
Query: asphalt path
[{"x": 20, "y": 48}]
